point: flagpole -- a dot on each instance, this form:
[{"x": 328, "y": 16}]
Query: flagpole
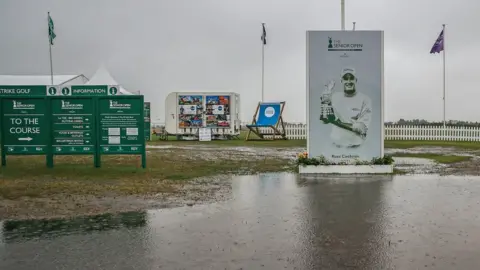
[
  {"x": 444, "y": 85},
  {"x": 263, "y": 65},
  {"x": 50, "y": 49}
]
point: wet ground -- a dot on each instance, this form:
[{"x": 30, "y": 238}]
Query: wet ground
[
  {"x": 241, "y": 153},
  {"x": 405, "y": 164},
  {"x": 418, "y": 165},
  {"x": 272, "y": 221},
  {"x": 212, "y": 188},
  {"x": 197, "y": 191}
]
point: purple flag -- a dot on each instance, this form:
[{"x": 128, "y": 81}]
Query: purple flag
[{"x": 438, "y": 46}]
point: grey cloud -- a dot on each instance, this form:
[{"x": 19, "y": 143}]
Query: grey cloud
[{"x": 162, "y": 46}]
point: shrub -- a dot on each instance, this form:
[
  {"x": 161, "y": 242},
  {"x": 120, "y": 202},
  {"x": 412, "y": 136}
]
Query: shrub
[{"x": 304, "y": 160}]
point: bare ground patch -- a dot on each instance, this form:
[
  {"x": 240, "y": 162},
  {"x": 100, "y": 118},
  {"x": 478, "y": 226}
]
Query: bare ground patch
[{"x": 174, "y": 177}]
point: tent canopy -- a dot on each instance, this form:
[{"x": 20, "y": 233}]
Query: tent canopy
[
  {"x": 102, "y": 76},
  {"x": 39, "y": 79}
]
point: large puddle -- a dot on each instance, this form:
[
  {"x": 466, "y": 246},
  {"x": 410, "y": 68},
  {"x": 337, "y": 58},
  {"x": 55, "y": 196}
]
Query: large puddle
[{"x": 273, "y": 221}]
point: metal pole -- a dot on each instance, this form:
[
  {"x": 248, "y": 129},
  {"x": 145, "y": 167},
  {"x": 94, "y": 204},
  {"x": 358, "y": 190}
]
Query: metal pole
[
  {"x": 50, "y": 47},
  {"x": 353, "y": 26},
  {"x": 263, "y": 65},
  {"x": 444, "y": 85},
  {"x": 342, "y": 3}
]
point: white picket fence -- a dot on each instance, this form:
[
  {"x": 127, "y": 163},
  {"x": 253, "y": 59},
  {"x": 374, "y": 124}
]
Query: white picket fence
[
  {"x": 432, "y": 133},
  {"x": 298, "y": 131}
]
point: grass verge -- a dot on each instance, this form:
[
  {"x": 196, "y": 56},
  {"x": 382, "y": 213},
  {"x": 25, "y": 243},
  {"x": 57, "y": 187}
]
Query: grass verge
[
  {"x": 445, "y": 159},
  {"x": 411, "y": 144},
  {"x": 399, "y": 172},
  {"x": 119, "y": 175},
  {"x": 254, "y": 142}
]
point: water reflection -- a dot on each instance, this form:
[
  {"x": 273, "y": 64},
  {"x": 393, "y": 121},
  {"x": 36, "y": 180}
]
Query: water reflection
[
  {"x": 97, "y": 242},
  {"x": 28, "y": 229},
  {"x": 343, "y": 222},
  {"x": 274, "y": 221}
]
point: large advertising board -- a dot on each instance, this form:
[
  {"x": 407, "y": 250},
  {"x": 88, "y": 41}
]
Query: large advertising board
[{"x": 345, "y": 95}]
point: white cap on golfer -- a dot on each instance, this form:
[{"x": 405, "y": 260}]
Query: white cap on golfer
[{"x": 348, "y": 70}]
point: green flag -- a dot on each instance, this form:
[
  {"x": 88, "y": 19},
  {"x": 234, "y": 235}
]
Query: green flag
[{"x": 51, "y": 33}]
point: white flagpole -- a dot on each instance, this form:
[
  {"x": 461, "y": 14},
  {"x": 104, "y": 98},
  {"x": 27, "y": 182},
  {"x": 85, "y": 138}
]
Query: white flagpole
[
  {"x": 444, "y": 86},
  {"x": 263, "y": 63},
  {"x": 342, "y": 8},
  {"x": 50, "y": 47}
]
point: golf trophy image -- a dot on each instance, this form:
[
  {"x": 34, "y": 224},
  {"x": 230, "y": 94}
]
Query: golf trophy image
[{"x": 326, "y": 109}]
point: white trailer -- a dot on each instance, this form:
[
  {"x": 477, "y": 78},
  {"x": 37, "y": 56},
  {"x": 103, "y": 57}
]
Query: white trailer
[{"x": 187, "y": 112}]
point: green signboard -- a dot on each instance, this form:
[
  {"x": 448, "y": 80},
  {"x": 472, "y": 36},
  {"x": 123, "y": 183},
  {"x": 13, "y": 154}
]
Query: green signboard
[
  {"x": 148, "y": 125},
  {"x": 83, "y": 90},
  {"x": 121, "y": 125},
  {"x": 70, "y": 120},
  {"x": 24, "y": 126},
  {"x": 73, "y": 126},
  {"x": 23, "y": 90}
]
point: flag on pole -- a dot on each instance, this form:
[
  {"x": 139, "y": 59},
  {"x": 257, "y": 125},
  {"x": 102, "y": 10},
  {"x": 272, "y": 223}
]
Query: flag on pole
[
  {"x": 438, "y": 46},
  {"x": 264, "y": 35},
  {"x": 51, "y": 33}
]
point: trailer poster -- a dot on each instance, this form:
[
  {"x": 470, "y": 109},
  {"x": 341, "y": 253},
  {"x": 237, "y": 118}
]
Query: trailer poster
[
  {"x": 190, "y": 112},
  {"x": 217, "y": 111}
]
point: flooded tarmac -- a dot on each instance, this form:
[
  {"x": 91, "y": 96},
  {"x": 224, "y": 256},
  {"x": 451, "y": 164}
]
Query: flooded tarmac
[{"x": 273, "y": 221}]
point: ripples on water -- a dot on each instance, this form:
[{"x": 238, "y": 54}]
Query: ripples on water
[{"x": 274, "y": 221}]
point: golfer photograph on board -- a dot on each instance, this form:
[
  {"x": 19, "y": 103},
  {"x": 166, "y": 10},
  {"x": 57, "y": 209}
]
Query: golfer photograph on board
[{"x": 349, "y": 111}]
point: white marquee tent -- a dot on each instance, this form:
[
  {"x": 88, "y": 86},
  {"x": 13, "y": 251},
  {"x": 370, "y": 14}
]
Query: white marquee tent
[
  {"x": 42, "y": 79},
  {"x": 102, "y": 76}
]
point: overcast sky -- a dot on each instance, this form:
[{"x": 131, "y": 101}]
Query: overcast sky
[{"x": 163, "y": 46}]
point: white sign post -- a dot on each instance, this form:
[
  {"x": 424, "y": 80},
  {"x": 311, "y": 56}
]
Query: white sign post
[{"x": 204, "y": 134}]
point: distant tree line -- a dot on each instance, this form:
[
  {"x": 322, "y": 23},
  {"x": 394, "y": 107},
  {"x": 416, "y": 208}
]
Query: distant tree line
[{"x": 422, "y": 122}]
